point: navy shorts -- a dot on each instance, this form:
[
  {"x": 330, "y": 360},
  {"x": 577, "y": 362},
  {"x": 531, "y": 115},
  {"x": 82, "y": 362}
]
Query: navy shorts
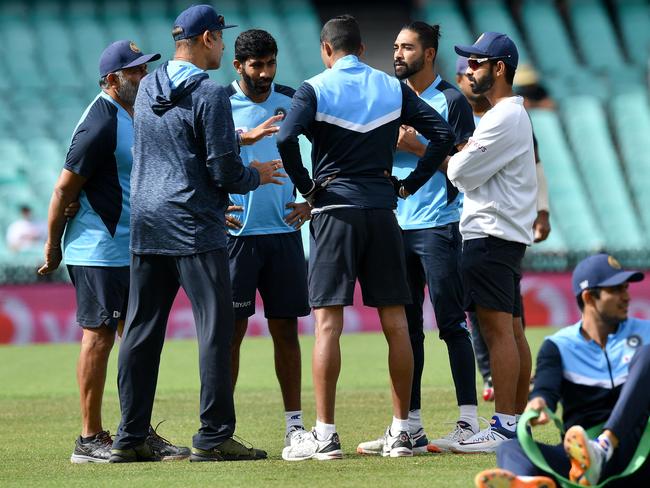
[
  {"x": 275, "y": 265},
  {"x": 491, "y": 270},
  {"x": 356, "y": 243},
  {"x": 102, "y": 294}
]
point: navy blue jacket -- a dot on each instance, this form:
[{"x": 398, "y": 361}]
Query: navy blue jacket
[{"x": 352, "y": 114}]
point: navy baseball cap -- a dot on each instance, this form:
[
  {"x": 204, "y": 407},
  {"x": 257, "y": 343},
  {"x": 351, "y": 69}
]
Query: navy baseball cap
[
  {"x": 461, "y": 65},
  {"x": 492, "y": 45},
  {"x": 197, "y": 19},
  {"x": 601, "y": 270},
  {"x": 122, "y": 54}
]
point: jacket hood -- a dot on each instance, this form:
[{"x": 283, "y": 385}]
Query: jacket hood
[{"x": 162, "y": 97}]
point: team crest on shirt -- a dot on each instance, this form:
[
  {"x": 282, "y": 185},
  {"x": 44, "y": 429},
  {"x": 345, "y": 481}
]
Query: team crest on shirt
[
  {"x": 280, "y": 111},
  {"x": 134, "y": 47},
  {"x": 611, "y": 260},
  {"x": 634, "y": 341}
]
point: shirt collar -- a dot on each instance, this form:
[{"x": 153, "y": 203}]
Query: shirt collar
[
  {"x": 241, "y": 93},
  {"x": 120, "y": 109},
  {"x": 348, "y": 61},
  {"x": 433, "y": 85}
]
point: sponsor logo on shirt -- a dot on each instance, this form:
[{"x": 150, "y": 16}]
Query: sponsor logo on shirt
[
  {"x": 242, "y": 304},
  {"x": 280, "y": 111},
  {"x": 476, "y": 144}
]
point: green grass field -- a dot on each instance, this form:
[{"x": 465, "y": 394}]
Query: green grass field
[{"x": 39, "y": 420}]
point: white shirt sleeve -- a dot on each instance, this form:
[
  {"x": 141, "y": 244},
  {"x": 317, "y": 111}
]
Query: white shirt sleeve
[
  {"x": 542, "y": 188},
  {"x": 494, "y": 144}
]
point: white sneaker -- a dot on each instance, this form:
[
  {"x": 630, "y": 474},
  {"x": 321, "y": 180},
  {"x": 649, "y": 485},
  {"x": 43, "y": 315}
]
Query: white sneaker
[
  {"x": 419, "y": 443},
  {"x": 305, "y": 445},
  {"x": 371, "y": 448},
  {"x": 587, "y": 457},
  {"x": 293, "y": 430},
  {"x": 462, "y": 431},
  {"x": 486, "y": 440},
  {"x": 400, "y": 445}
]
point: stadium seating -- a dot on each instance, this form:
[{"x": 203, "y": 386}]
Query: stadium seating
[
  {"x": 631, "y": 120},
  {"x": 601, "y": 172},
  {"x": 594, "y": 65},
  {"x": 571, "y": 213}
]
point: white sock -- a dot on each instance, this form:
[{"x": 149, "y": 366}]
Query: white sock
[
  {"x": 508, "y": 422},
  {"x": 415, "y": 421},
  {"x": 606, "y": 446},
  {"x": 293, "y": 418},
  {"x": 323, "y": 430},
  {"x": 469, "y": 414},
  {"x": 399, "y": 425}
]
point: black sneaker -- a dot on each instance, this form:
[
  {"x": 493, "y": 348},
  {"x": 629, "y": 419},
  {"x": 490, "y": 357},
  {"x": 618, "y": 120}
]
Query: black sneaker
[
  {"x": 95, "y": 450},
  {"x": 166, "y": 450},
  {"x": 140, "y": 453},
  {"x": 229, "y": 450}
]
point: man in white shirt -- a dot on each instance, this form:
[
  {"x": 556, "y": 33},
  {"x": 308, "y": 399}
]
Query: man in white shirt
[
  {"x": 25, "y": 233},
  {"x": 496, "y": 172}
]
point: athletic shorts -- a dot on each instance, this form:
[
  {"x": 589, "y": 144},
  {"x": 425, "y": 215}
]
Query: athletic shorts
[
  {"x": 275, "y": 265},
  {"x": 491, "y": 269},
  {"x": 355, "y": 243},
  {"x": 102, "y": 293}
]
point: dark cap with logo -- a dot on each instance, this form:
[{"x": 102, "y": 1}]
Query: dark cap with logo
[
  {"x": 492, "y": 45},
  {"x": 197, "y": 19},
  {"x": 599, "y": 271},
  {"x": 122, "y": 54}
]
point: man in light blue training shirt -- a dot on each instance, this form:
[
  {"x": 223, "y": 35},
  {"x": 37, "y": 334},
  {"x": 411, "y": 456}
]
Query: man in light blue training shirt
[
  {"x": 265, "y": 246},
  {"x": 97, "y": 173},
  {"x": 432, "y": 243}
]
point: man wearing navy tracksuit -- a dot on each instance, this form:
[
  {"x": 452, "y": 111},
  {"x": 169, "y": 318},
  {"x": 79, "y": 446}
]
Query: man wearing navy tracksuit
[
  {"x": 352, "y": 114},
  {"x": 598, "y": 369}
]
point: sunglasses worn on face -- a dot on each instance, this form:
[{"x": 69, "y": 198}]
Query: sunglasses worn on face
[{"x": 475, "y": 63}]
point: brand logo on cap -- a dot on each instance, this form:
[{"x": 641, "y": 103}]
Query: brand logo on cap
[
  {"x": 584, "y": 284},
  {"x": 613, "y": 262},
  {"x": 134, "y": 48}
]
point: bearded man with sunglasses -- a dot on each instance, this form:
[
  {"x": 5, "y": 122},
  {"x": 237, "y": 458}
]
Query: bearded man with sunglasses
[{"x": 496, "y": 172}]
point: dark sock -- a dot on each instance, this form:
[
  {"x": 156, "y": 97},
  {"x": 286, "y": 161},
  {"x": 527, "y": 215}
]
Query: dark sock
[{"x": 85, "y": 440}]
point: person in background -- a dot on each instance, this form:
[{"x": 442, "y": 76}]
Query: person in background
[{"x": 25, "y": 233}]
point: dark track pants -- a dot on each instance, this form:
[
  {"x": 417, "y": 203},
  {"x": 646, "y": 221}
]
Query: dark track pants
[
  {"x": 628, "y": 421},
  {"x": 433, "y": 259},
  {"x": 155, "y": 280}
]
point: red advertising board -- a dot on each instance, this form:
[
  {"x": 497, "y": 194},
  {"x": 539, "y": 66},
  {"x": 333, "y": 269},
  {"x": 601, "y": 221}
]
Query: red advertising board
[{"x": 46, "y": 313}]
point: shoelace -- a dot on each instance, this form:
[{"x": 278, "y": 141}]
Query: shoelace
[
  {"x": 158, "y": 437},
  {"x": 243, "y": 442},
  {"x": 105, "y": 437}
]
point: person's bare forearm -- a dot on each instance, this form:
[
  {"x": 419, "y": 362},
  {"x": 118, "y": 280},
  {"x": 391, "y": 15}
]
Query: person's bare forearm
[{"x": 56, "y": 219}]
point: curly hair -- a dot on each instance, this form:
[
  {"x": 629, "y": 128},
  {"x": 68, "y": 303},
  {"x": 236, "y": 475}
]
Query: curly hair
[{"x": 254, "y": 43}]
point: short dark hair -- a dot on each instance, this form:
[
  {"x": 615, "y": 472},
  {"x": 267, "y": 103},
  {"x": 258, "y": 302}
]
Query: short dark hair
[
  {"x": 510, "y": 71},
  {"x": 595, "y": 292},
  {"x": 342, "y": 33},
  {"x": 254, "y": 43},
  {"x": 428, "y": 34}
]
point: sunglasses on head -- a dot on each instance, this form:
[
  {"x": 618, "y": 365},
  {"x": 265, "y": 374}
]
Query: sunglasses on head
[{"x": 475, "y": 63}]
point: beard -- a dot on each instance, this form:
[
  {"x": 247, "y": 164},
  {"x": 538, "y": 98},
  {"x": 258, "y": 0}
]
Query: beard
[
  {"x": 479, "y": 87},
  {"x": 260, "y": 87},
  {"x": 127, "y": 90},
  {"x": 404, "y": 70}
]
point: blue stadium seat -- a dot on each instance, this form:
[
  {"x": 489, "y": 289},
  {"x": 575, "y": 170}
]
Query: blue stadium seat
[
  {"x": 631, "y": 121},
  {"x": 571, "y": 212},
  {"x": 592, "y": 144},
  {"x": 492, "y": 15},
  {"x": 453, "y": 30},
  {"x": 634, "y": 17}
]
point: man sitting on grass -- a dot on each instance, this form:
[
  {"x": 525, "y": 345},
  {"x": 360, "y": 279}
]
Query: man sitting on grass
[{"x": 598, "y": 369}]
